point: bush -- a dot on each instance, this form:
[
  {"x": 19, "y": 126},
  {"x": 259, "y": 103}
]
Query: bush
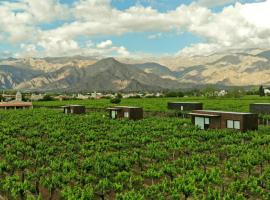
[
  {"x": 116, "y": 101},
  {"x": 174, "y": 94},
  {"x": 47, "y": 98}
]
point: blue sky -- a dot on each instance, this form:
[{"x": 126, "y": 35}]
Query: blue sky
[{"x": 127, "y": 27}]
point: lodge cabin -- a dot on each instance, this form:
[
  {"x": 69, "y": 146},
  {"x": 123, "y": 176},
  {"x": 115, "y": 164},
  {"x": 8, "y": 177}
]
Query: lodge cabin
[
  {"x": 260, "y": 108},
  {"x": 185, "y": 106},
  {"x": 14, "y": 105},
  {"x": 74, "y": 109},
  {"x": 128, "y": 112},
  {"x": 210, "y": 119}
]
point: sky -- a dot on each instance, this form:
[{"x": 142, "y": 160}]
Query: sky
[{"x": 131, "y": 28}]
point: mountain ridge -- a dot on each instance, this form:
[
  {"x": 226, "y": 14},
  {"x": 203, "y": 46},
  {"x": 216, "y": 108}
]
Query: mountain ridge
[{"x": 80, "y": 73}]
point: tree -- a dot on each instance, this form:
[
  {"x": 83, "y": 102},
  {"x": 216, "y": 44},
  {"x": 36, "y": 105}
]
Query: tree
[
  {"x": 115, "y": 100},
  {"x": 47, "y": 98},
  {"x": 174, "y": 94},
  {"x": 261, "y": 91}
]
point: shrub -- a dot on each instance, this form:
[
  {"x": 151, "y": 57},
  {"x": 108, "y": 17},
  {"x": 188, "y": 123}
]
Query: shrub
[{"x": 115, "y": 100}]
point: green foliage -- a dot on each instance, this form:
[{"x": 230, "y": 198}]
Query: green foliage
[
  {"x": 174, "y": 94},
  {"x": 115, "y": 100},
  {"x": 160, "y": 104},
  {"x": 47, "y": 98},
  {"x": 261, "y": 91},
  {"x": 47, "y": 154}
]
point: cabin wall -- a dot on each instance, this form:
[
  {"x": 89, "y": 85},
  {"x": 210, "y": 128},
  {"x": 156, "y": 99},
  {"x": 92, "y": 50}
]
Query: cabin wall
[
  {"x": 251, "y": 122},
  {"x": 78, "y": 110},
  {"x": 247, "y": 121},
  {"x": 136, "y": 113},
  {"x": 259, "y": 108},
  {"x": 186, "y": 106},
  {"x": 234, "y": 117}
]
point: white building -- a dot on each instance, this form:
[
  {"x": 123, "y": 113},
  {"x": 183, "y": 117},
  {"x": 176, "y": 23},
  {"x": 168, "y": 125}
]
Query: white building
[
  {"x": 36, "y": 97},
  {"x": 267, "y": 91},
  {"x": 83, "y": 97},
  {"x": 18, "y": 96}
]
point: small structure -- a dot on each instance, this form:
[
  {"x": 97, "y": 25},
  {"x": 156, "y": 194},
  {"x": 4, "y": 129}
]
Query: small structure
[
  {"x": 267, "y": 91},
  {"x": 18, "y": 96},
  {"x": 16, "y": 105},
  {"x": 36, "y": 97},
  {"x": 260, "y": 108},
  {"x": 74, "y": 109},
  {"x": 210, "y": 119},
  {"x": 128, "y": 112},
  {"x": 185, "y": 106}
]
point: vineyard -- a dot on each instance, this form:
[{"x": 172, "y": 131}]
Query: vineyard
[
  {"x": 159, "y": 104},
  {"x": 46, "y": 154}
]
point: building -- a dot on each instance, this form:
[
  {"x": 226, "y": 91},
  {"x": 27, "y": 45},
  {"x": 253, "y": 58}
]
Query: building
[
  {"x": 128, "y": 112},
  {"x": 83, "y": 97},
  {"x": 267, "y": 91},
  {"x": 74, "y": 109},
  {"x": 18, "y": 96},
  {"x": 260, "y": 108},
  {"x": 210, "y": 119},
  {"x": 185, "y": 106},
  {"x": 36, "y": 97},
  {"x": 16, "y": 105}
]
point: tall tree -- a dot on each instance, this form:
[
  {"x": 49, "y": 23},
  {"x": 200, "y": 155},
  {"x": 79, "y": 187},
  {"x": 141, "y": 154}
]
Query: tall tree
[{"x": 261, "y": 91}]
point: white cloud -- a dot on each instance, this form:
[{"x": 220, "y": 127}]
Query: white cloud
[
  {"x": 104, "y": 44},
  {"x": 243, "y": 25},
  {"x": 122, "y": 51},
  {"x": 53, "y": 47}
]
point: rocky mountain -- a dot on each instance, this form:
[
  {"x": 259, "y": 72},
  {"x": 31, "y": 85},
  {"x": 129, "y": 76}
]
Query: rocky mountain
[
  {"x": 11, "y": 76},
  {"x": 79, "y": 73},
  {"x": 155, "y": 68},
  {"x": 105, "y": 75}
]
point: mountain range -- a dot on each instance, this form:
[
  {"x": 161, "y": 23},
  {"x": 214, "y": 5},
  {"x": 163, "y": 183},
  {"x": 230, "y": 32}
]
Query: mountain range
[{"x": 80, "y": 73}]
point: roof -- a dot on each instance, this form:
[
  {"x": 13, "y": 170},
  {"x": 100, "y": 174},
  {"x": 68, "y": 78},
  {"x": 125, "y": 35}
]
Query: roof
[
  {"x": 16, "y": 104},
  {"x": 68, "y": 106},
  {"x": 126, "y": 107},
  {"x": 186, "y": 102},
  {"x": 204, "y": 114},
  {"x": 113, "y": 108},
  {"x": 261, "y": 103},
  {"x": 227, "y": 112}
]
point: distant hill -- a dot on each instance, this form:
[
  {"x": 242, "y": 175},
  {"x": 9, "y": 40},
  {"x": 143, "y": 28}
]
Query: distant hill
[
  {"x": 264, "y": 54},
  {"x": 105, "y": 75},
  {"x": 10, "y": 76},
  {"x": 80, "y": 73}
]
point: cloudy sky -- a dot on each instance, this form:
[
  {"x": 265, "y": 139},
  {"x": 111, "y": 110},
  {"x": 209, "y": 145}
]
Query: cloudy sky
[{"x": 131, "y": 27}]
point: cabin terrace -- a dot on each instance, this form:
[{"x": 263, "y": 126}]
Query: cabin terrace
[
  {"x": 185, "y": 106},
  {"x": 260, "y": 108},
  {"x": 16, "y": 105},
  {"x": 128, "y": 112},
  {"x": 74, "y": 109},
  {"x": 210, "y": 119}
]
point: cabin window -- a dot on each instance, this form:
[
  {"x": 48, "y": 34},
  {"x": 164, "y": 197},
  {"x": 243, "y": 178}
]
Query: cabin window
[
  {"x": 182, "y": 107},
  {"x": 113, "y": 113},
  {"x": 126, "y": 114},
  {"x": 229, "y": 123},
  {"x": 233, "y": 124},
  {"x": 199, "y": 121},
  {"x": 236, "y": 124},
  {"x": 202, "y": 122}
]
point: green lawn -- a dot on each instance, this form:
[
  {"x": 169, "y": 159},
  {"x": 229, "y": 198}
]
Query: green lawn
[{"x": 160, "y": 104}]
